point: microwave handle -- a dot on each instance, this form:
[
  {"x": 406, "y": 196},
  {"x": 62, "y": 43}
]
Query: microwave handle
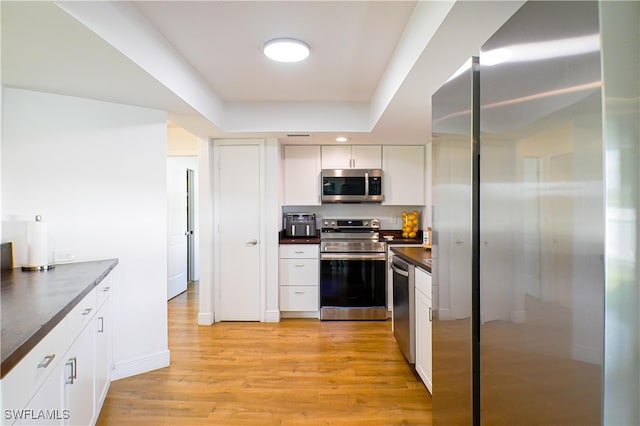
[
  {"x": 366, "y": 184},
  {"x": 293, "y": 230}
]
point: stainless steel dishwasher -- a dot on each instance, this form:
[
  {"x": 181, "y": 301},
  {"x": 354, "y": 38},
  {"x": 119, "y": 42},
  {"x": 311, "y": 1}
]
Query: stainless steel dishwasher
[{"x": 404, "y": 307}]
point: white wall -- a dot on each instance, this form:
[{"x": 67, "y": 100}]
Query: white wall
[{"x": 96, "y": 172}]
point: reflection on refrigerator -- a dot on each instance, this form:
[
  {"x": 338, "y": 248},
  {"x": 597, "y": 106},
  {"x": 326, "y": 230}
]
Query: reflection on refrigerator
[{"x": 539, "y": 316}]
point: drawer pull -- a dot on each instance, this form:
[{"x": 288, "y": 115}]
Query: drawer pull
[
  {"x": 299, "y": 265},
  {"x": 101, "y": 329},
  {"x": 87, "y": 311},
  {"x": 46, "y": 361},
  {"x": 299, "y": 252},
  {"x": 298, "y": 292},
  {"x": 106, "y": 289}
]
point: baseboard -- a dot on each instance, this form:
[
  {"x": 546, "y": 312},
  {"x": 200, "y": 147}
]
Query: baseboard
[
  {"x": 300, "y": 314},
  {"x": 141, "y": 365},
  {"x": 518, "y": 316},
  {"x": 205, "y": 318},
  {"x": 444, "y": 314},
  {"x": 272, "y": 316},
  {"x": 586, "y": 354}
]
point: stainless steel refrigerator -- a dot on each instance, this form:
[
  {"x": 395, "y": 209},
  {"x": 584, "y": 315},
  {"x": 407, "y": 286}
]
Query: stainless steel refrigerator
[{"x": 518, "y": 196}]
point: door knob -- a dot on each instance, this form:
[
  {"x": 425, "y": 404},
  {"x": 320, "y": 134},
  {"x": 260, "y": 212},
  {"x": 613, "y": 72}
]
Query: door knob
[{"x": 252, "y": 242}]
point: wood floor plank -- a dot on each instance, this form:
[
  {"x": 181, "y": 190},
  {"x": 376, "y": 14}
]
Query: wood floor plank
[{"x": 295, "y": 372}]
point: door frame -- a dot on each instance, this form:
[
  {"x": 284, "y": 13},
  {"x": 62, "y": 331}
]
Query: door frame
[{"x": 216, "y": 293}]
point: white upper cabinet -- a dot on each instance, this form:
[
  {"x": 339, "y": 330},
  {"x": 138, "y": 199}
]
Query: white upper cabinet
[
  {"x": 351, "y": 157},
  {"x": 404, "y": 175},
  {"x": 301, "y": 175}
]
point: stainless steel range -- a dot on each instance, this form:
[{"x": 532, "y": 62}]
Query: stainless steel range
[{"x": 352, "y": 270}]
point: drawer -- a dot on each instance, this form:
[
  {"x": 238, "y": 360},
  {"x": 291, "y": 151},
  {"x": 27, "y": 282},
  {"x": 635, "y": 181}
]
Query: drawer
[
  {"x": 80, "y": 316},
  {"x": 24, "y": 380},
  {"x": 298, "y": 272},
  {"x": 423, "y": 282},
  {"x": 299, "y": 298},
  {"x": 103, "y": 291},
  {"x": 299, "y": 251}
]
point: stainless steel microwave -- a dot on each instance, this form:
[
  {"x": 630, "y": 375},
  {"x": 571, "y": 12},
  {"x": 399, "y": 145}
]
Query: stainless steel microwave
[{"x": 352, "y": 186}]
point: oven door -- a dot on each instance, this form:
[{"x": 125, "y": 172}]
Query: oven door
[{"x": 353, "y": 280}]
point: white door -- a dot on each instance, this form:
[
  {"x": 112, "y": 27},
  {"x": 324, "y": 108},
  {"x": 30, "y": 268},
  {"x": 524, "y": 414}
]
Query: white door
[
  {"x": 176, "y": 227},
  {"x": 239, "y": 208}
]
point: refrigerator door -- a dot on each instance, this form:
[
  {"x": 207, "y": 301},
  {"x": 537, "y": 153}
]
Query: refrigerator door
[
  {"x": 541, "y": 218},
  {"x": 451, "y": 249}
]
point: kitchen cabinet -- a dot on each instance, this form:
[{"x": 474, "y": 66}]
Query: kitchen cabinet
[
  {"x": 301, "y": 175},
  {"x": 299, "y": 279},
  {"x": 64, "y": 379},
  {"x": 79, "y": 379},
  {"x": 103, "y": 325},
  {"x": 351, "y": 157},
  {"x": 423, "y": 318},
  {"x": 404, "y": 175}
]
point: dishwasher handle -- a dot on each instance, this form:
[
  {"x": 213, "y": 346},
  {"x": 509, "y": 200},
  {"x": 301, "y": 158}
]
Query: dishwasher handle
[{"x": 399, "y": 271}]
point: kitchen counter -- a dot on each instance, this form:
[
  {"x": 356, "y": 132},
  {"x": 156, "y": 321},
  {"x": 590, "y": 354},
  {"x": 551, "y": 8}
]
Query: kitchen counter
[
  {"x": 397, "y": 237},
  {"x": 282, "y": 239},
  {"x": 33, "y": 303},
  {"x": 415, "y": 255}
]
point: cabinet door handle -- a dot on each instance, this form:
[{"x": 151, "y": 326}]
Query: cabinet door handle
[
  {"x": 101, "y": 329},
  {"x": 106, "y": 289},
  {"x": 430, "y": 314},
  {"x": 73, "y": 375},
  {"x": 46, "y": 361},
  {"x": 87, "y": 311}
]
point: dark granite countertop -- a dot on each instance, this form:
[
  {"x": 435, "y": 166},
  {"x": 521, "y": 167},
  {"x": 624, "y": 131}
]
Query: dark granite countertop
[
  {"x": 33, "y": 303},
  {"x": 396, "y": 234},
  {"x": 415, "y": 255}
]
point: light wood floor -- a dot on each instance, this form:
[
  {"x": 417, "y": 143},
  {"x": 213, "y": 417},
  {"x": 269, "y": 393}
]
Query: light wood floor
[{"x": 296, "y": 372}]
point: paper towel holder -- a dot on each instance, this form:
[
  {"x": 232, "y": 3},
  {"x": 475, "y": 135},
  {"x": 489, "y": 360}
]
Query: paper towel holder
[{"x": 39, "y": 267}]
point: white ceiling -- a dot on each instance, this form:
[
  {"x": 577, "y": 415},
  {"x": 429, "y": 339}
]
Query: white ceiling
[{"x": 372, "y": 70}]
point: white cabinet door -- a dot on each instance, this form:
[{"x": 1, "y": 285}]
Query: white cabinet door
[
  {"x": 404, "y": 175},
  {"x": 47, "y": 405},
  {"x": 351, "y": 157},
  {"x": 79, "y": 379},
  {"x": 424, "y": 348},
  {"x": 301, "y": 175},
  {"x": 366, "y": 156},
  {"x": 102, "y": 330},
  {"x": 336, "y": 157}
]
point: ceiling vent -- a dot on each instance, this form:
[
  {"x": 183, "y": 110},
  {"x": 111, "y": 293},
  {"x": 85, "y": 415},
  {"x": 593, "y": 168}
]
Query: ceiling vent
[{"x": 298, "y": 135}]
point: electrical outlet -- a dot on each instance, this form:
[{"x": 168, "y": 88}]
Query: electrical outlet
[
  {"x": 394, "y": 219},
  {"x": 62, "y": 256}
]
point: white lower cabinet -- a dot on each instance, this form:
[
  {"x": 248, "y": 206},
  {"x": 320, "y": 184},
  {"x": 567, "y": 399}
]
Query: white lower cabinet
[
  {"x": 65, "y": 378},
  {"x": 299, "y": 276},
  {"x": 423, "y": 311},
  {"x": 79, "y": 380}
]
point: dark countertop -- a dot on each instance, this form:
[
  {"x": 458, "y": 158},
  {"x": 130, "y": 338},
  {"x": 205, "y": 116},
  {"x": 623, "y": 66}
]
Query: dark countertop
[
  {"x": 33, "y": 303},
  {"x": 397, "y": 238},
  {"x": 415, "y": 255}
]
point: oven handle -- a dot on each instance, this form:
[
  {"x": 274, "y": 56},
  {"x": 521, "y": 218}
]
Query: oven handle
[
  {"x": 353, "y": 256},
  {"x": 400, "y": 271}
]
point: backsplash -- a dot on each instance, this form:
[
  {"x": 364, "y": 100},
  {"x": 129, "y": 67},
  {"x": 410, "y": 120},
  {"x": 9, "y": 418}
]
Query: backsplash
[{"x": 390, "y": 216}]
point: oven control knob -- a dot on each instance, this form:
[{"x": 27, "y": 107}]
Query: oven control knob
[
  {"x": 375, "y": 223},
  {"x": 366, "y": 223}
]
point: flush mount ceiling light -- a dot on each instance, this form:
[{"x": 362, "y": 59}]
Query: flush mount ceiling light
[
  {"x": 286, "y": 50},
  {"x": 341, "y": 139}
]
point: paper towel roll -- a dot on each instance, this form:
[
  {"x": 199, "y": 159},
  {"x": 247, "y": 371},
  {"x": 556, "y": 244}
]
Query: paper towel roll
[{"x": 38, "y": 242}]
